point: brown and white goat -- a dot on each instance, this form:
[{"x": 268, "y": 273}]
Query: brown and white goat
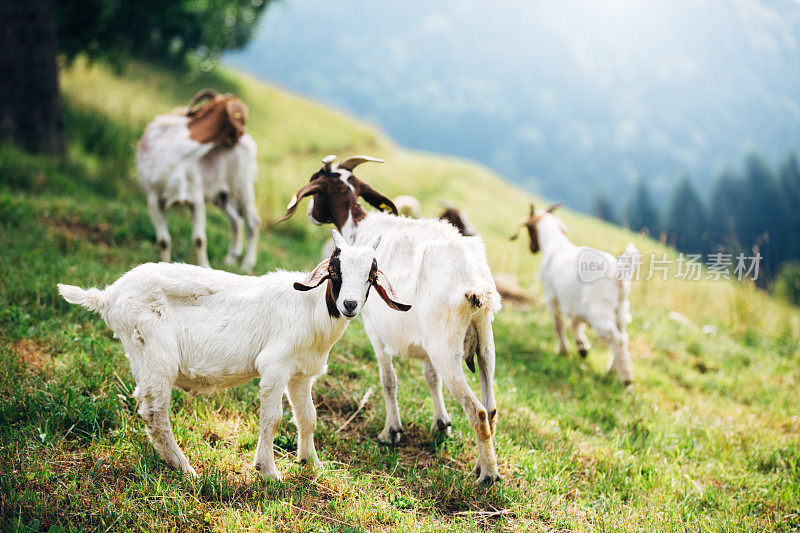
[
  {"x": 444, "y": 276},
  {"x": 198, "y": 155}
]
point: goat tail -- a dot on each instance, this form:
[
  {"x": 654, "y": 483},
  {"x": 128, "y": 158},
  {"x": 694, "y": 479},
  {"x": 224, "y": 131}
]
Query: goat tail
[
  {"x": 486, "y": 297},
  {"x": 92, "y": 299}
]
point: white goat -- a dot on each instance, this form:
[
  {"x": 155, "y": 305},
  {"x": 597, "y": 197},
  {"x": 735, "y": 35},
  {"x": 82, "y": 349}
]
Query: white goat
[
  {"x": 202, "y": 329},
  {"x": 588, "y": 286},
  {"x": 201, "y": 155},
  {"x": 445, "y": 276}
]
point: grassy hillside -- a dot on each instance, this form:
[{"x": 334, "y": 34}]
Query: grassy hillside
[{"x": 707, "y": 438}]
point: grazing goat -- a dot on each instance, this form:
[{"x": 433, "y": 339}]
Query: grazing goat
[
  {"x": 202, "y": 329},
  {"x": 588, "y": 286},
  {"x": 198, "y": 155},
  {"x": 447, "y": 279}
]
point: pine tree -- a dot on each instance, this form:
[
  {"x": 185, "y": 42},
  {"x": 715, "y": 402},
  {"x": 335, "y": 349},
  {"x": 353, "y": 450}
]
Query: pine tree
[
  {"x": 640, "y": 212},
  {"x": 603, "y": 208},
  {"x": 761, "y": 224},
  {"x": 789, "y": 187},
  {"x": 686, "y": 220},
  {"x": 726, "y": 205}
]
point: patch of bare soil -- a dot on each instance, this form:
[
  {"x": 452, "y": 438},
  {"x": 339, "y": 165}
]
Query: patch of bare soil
[
  {"x": 79, "y": 230},
  {"x": 33, "y": 354}
]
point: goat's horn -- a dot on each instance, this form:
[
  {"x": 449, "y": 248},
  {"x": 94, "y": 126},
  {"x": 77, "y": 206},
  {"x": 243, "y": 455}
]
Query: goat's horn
[
  {"x": 519, "y": 227},
  {"x": 203, "y": 93},
  {"x": 353, "y": 162},
  {"x": 553, "y": 207},
  {"x": 327, "y": 161},
  {"x": 445, "y": 204},
  {"x": 533, "y": 210}
]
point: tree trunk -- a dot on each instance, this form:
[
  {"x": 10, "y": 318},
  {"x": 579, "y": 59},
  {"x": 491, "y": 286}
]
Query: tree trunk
[{"x": 30, "y": 103}]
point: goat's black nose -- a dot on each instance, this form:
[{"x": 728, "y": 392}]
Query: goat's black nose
[{"x": 350, "y": 305}]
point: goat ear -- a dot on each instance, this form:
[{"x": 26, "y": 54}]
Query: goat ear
[
  {"x": 373, "y": 197},
  {"x": 338, "y": 239},
  {"x": 553, "y": 207},
  {"x": 376, "y": 242},
  {"x": 315, "y": 279},
  {"x": 308, "y": 189},
  {"x": 237, "y": 115},
  {"x": 385, "y": 290}
]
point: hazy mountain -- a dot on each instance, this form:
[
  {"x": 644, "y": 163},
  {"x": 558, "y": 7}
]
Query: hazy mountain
[{"x": 565, "y": 98}]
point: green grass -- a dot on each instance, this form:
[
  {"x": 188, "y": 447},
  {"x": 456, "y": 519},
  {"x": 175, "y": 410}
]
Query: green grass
[{"x": 706, "y": 440}]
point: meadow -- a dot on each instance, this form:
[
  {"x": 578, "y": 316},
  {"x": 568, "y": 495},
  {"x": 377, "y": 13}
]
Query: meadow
[{"x": 708, "y": 437}]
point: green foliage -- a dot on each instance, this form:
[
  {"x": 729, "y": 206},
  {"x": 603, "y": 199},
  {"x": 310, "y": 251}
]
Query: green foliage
[
  {"x": 787, "y": 283},
  {"x": 115, "y": 30}
]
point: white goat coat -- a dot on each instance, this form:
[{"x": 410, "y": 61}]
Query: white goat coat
[
  {"x": 445, "y": 278},
  {"x": 433, "y": 268},
  {"x": 602, "y": 301},
  {"x": 558, "y": 271},
  {"x": 206, "y": 329}
]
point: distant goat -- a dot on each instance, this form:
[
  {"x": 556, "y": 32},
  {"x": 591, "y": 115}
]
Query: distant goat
[
  {"x": 458, "y": 218},
  {"x": 587, "y": 285},
  {"x": 198, "y": 155},
  {"x": 408, "y": 206},
  {"x": 202, "y": 329},
  {"x": 447, "y": 279}
]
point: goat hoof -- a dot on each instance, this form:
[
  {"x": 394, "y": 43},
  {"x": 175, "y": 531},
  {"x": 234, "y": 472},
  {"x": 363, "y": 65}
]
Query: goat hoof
[
  {"x": 476, "y": 472},
  {"x": 584, "y": 352},
  {"x": 488, "y": 480},
  {"x": 391, "y": 435},
  {"x": 230, "y": 260},
  {"x": 268, "y": 475},
  {"x": 188, "y": 471},
  {"x": 442, "y": 428},
  {"x": 312, "y": 462}
]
